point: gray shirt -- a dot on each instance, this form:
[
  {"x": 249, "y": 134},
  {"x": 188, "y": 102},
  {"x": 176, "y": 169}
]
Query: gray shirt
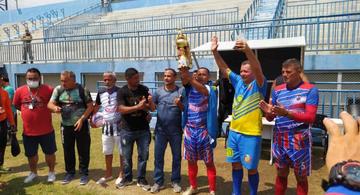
[{"x": 168, "y": 113}]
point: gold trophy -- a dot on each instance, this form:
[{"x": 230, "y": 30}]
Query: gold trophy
[{"x": 183, "y": 49}]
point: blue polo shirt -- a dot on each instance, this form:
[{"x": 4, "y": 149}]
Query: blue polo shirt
[{"x": 168, "y": 113}]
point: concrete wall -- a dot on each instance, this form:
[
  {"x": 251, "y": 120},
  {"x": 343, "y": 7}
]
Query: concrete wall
[{"x": 89, "y": 73}]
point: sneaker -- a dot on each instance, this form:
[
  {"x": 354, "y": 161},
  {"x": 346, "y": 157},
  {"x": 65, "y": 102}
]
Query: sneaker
[
  {"x": 118, "y": 180},
  {"x": 51, "y": 177},
  {"x": 156, "y": 188},
  {"x": 123, "y": 183},
  {"x": 143, "y": 184},
  {"x": 84, "y": 179},
  {"x": 176, "y": 187},
  {"x": 30, "y": 177},
  {"x": 212, "y": 193},
  {"x": 103, "y": 180},
  {"x": 67, "y": 179},
  {"x": 190, "y": 191}
]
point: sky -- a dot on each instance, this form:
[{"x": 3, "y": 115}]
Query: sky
[{"x": 31, "y": 3}]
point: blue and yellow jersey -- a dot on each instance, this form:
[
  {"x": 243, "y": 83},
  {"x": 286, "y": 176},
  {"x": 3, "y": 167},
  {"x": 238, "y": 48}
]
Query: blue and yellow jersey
[{"x": 246, "y": 114}]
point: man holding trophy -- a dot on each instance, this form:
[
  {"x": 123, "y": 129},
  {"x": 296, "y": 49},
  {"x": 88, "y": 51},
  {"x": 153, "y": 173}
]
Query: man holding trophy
[{"x": 197, "y": 140}]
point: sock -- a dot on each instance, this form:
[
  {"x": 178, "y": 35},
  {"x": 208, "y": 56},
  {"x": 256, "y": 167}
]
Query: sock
[
  {"x": 192, "y": 171},
  {"x": 211, "y": 173},
  {"x": 302, "y": 187},
  {"x": 280, "y": 185},
  {"x": 237, "y": 176},
  {"x": 253, "y": 183}
]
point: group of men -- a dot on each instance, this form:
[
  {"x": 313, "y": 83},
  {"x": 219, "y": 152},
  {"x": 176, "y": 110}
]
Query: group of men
[{"x": 184, "y": 110}]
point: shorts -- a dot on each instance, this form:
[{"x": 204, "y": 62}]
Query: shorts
[
  {"x": 47, "y": 143},
  {"x": 293, "y": 149},
  {"x": 243, "y": 148},
  {"x": 197, "y": 145},
  {"x": 109, "y": 142}
]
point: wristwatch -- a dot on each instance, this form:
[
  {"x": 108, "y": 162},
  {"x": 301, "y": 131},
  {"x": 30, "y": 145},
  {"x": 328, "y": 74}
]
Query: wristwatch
[{"x": 345, "y": 173}]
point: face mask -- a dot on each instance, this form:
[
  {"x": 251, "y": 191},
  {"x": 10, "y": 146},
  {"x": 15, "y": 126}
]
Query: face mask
[{"x": 32, "y": 84}]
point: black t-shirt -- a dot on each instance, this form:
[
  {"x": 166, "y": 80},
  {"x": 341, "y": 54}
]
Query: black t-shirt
[{"x": 135, "y": 121}]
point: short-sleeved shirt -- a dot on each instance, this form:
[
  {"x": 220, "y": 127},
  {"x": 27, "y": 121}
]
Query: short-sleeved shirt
[
  {"x": 107, "y": 99},
  {"x": 294, "y": 100},
  {"x": 135, "y": 121},
  {"x": 11, "y": 93},
  {"x": 246, "y": 114},
  {"x": 36, "y": 121},
  {"x": 72, "y": 106},
  {"x": 168, "y": 113}
]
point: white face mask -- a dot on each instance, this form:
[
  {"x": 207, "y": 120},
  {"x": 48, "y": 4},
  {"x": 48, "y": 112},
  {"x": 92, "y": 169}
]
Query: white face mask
[{"x": 32, "y": 84}]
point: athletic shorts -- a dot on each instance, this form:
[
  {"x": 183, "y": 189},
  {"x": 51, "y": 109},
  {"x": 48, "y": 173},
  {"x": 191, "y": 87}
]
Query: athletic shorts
[
  {"x": 293, "y": 149},
  {"x": 47, "y": 143},
  {"x": 109, "y": 142},
  {"x": 243, "y": 148}
]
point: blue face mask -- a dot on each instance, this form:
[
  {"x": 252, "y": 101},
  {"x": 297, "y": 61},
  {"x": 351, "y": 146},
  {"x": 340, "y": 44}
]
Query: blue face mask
[{"x": 32, "y": 84}]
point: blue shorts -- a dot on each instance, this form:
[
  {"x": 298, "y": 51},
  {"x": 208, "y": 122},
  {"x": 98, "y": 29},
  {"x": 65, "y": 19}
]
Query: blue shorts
[
  {"x": 47, "y": 143},
  {"x": 243, "y": 148}
]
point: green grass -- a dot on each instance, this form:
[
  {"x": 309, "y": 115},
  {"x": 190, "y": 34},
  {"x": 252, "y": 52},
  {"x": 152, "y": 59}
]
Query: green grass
[{"x": 20, "y": 170}]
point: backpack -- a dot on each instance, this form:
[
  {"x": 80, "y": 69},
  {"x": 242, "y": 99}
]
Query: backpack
[{"x": 81, "y": 94}]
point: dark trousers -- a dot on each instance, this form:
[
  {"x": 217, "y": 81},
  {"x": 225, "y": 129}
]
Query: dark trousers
[
  {"x": 142, "y": 139},
  {"x": 3, "y": 140},
  {"x": 82, "y": 139},
  {"x": 161, "y": 141}
]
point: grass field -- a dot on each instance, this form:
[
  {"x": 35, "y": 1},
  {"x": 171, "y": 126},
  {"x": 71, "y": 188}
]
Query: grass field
[{"x": 19, "y": 166}]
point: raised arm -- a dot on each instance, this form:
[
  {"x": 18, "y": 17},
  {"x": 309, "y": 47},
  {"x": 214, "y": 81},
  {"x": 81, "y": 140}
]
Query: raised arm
[
  {"x": 187, "y": 79},
  {"x": 242, "y": 45},
  {"x": 218, "y": 59}
]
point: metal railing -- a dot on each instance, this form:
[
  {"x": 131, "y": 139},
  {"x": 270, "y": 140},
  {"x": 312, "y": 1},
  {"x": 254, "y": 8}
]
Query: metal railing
[
  {"x": 251, "y": 11},
  {"x": 335, "y": 97},
  {"x": 322, "y": 9},
  {"x": 325, "y": 33},
  {"x": 181, "y": 20}
]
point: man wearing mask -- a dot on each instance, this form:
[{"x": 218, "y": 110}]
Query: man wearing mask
[
  {"x": 27, "y": 38},
  {"x": 31, "y": 99},
  {"x": 75, "y": 105},
  {"x": 106, "y": 99}
]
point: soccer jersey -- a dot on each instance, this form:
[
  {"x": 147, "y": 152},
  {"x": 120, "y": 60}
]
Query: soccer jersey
[
  {"x": 246, "y": 114},
  {"x": 294, "y": 100},
  {"x": 107, "y": 98},
  {"x": 196, "y": 137}
]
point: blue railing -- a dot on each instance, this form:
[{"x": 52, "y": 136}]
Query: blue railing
[
  {"x": 279, "y": 12},
  {"x": 181, "y": 20},
  {"x": 335, "y": 97},
  {"x": 325, "y": 33},
  {"x": 251, "y": 11},
  {"x": 306, "y": 8}
]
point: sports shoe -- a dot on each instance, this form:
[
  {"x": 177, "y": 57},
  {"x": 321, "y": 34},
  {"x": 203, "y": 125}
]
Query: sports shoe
[
  {"x": 156, "y": 188},
  {"x": 190, "y": 191},
  {"x": 143, "y": 184},
  {"x": 84, "y": 179},
  {"x": 51, "y": 177},
  {"x": 30, "y": 177},
  {"x": 123, "y": 183},
  {"x": 67, "y": 179},
  {"x": 176, "y": 187},
  {"x": 212, "y": 192},
  {"x": 118, "y": 180},
  {"x": 103, "y": 180}
]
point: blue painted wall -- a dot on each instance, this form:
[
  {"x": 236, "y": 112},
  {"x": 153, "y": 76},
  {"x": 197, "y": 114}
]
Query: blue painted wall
[{"x": 149, "y": 67}]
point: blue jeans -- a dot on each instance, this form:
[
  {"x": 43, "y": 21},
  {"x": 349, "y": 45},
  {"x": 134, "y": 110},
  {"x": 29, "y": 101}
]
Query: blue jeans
[
  {"x": 142, "y": 139},
  {"x": 161, "y": 141}
]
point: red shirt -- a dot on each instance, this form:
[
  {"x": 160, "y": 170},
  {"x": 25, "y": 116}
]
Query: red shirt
[{"x": 34, "y": 112}]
